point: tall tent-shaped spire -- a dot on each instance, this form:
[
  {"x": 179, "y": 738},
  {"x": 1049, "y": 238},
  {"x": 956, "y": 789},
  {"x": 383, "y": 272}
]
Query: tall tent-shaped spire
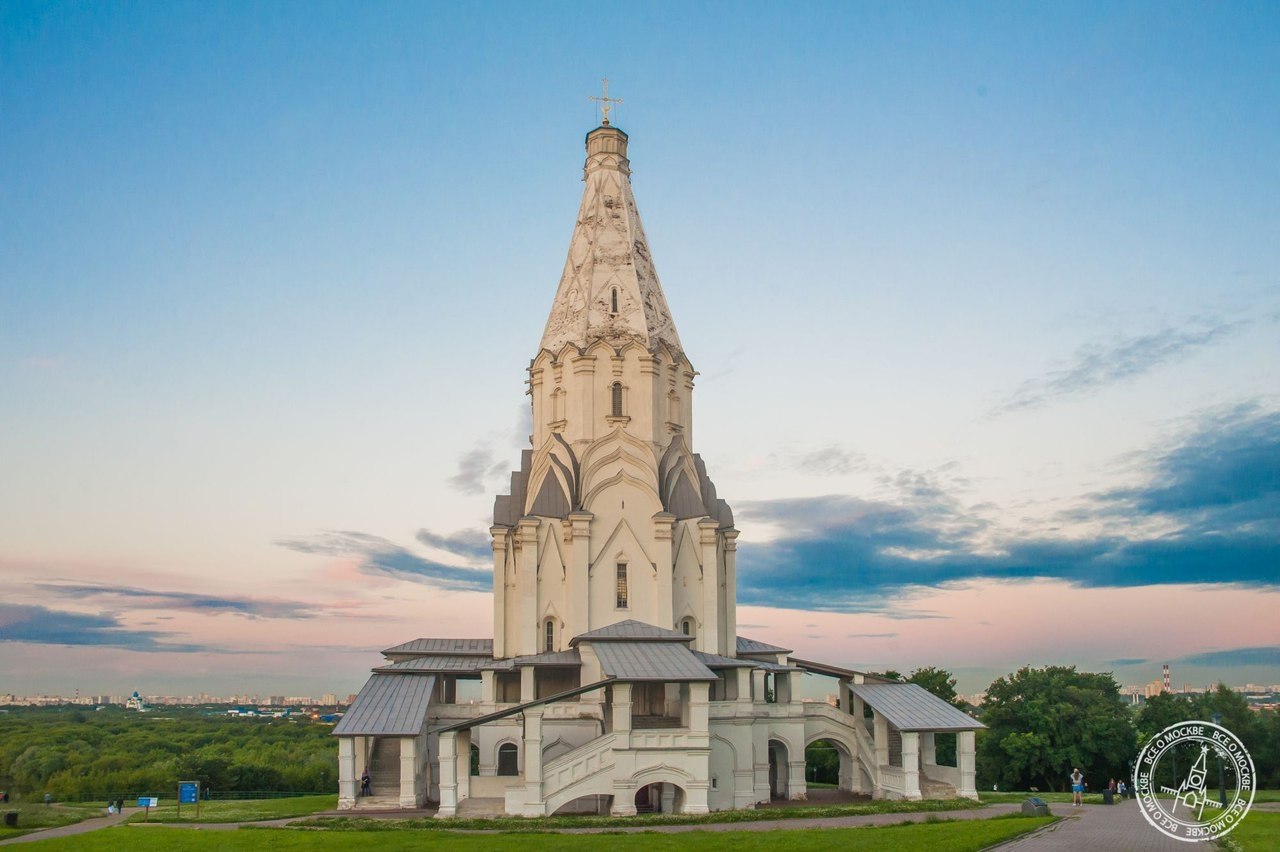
[{"x": 609, "y": 289}]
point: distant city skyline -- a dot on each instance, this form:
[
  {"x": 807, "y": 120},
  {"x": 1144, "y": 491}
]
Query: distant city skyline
[{"x": 1008, "y": 278}]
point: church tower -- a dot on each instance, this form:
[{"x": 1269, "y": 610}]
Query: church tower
[{"x": 612, "y": 516}]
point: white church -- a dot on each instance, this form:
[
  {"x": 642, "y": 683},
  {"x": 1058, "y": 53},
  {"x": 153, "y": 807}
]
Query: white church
[{"x": 615, "y": 681}]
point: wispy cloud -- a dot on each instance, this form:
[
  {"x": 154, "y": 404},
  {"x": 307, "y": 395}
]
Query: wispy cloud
[
  {"x": 379, "y": 556},
  {"x": 154, "y": 599},
  {"x": 1260, "y": 656},
  {"x": 1095, "y": 365},
  {"x": 870, "y": 635},
  {"x": 471, "y": 544},
  {"x": 831, "y": 460},
  {"x": 1128, "y": 661},
  {"x": 1215, "y": 494},
  {"x": 43, "y": 626},
  {"x": 476, "y": 468}
]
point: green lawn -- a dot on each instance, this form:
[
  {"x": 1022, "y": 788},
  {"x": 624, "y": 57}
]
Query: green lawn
[
  {"x": 1051, "y": 798},
  {"x": 32, "y": 816},
  {"x": 1259, "y": 832},
  {"x": 246, "y": 810},
  {"x": 960, "y": 836},
  {"x": 516, "y": 824}
]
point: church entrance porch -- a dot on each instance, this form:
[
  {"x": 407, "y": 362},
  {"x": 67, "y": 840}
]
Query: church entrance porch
[{"x": 662, "y": 798}]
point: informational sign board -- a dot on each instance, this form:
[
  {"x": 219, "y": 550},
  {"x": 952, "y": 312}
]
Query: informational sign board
[
  {"x": 188, "y": 794},
  {"x": 148, "y": 802}
]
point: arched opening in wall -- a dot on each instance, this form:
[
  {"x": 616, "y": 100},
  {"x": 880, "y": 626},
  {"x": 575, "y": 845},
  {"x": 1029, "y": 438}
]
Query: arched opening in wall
[
  {"x": 687, "y": 627},
  {"x": 475, "y": 759},
  {"x": 662, "y": 797},
  {"x": 615, "y": 400},
  {"x": 508, "y": 759},
  {"x": 673, "y": 408},
  {"x": 622, "y": 592},
  {"x": 779, "y": 765},
  {"x": 828, "y": 771},
  {"x": 599, "y": 805},
  {"x": 557, "y": 405},
  {"x": 549, "y": 635},
  {"x": 613, "y": 300}
]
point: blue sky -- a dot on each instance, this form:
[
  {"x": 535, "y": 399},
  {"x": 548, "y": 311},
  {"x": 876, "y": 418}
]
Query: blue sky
[{"x": 985, "y": 299}]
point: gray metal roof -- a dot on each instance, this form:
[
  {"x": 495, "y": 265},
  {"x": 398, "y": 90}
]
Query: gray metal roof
[
  {"x": 631, "y": 631},
  {"x": 751, "y": 646},
  {"x": 437, "y": 664},
  {"x": 389, "y": 705},
  {"x": 911, "y": 707},
  {"x": 551, "y": 658},
  {"x": 715, "y": 661},
  {"x": 836, "y": 671},
  {"x": 662, "y": 661},
  {"x": 463, "y": 647}
]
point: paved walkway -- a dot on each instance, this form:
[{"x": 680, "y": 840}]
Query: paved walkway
[
  {"x": 1117, "y": 827},
  {"x": 75, "y": 828}
]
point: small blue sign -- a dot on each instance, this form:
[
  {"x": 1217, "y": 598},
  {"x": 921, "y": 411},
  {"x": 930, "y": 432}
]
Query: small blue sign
[
  {"x": 148, "y": 802},
  {"x": 189, "y": 792}
]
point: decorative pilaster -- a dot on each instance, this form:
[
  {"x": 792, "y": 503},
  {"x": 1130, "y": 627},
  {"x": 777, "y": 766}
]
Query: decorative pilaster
[
  {"x": 499, "y": 535},
  {"x": 729, "y": 630},
  {"x": 527, "y": 582},
  {"x": 533, "y": 762},
  {"x": 664, "y": 613},
  {"x": 347, "y": 774},
  {"x": 579, "y": 568},
  {"x": 711, "y": 586}
]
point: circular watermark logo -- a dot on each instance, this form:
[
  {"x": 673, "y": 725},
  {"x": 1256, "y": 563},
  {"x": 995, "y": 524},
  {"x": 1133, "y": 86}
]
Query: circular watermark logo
[{"x": 1194, "y": 781}]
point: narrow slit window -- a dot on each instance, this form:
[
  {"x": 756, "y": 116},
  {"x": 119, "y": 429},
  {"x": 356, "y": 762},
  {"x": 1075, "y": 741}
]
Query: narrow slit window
[
  {"x": 616, "y": 398},
  {"x": 613, "y": 300},
  {"x": 550, "y": 644},
  {"x": 622, "y": 586}
]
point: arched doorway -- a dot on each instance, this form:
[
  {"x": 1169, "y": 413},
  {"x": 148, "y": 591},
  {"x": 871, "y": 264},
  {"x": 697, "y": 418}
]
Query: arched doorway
[
  {"x": 661, "y": 797},
  {"x": 779, "y": 765}
]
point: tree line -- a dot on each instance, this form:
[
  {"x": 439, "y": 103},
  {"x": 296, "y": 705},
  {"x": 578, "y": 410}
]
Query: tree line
[
  {"x": 84, "y": 755},
  {"x": 1042, "y": 722}
]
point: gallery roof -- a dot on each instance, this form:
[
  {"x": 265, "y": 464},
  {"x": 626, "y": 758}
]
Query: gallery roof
[
  {"x": 464, "y": 647},
  {"x": 630, "y": 631},
  {"x": 389, "y": 705},
  {"x": 911, "y": 707},
  {"x": 651, "y": 661}
]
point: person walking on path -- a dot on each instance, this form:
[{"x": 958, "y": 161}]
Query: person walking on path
[{"x": 1077, "y": 787}]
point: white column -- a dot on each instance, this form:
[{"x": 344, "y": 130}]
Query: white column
[
  {"x": 965, "y": 751},
  {"x": 448, "y": 775},
  {"x": 881, "y": 738},
  {"x": 348, "y": 778},
  {"x": 667, "y": 801},
  {"x": 527, "y": 686},
  {"x": 488, "y": 687},
  {"x": 699, "y": 708},
  {"x": 797, "y": 785},
  {"x": 463, "y": 748},
  {"x": 928, "y": 749},
  {"x": 622, "y": 718},
  {"x": 911, "y": 765},
  {"x": 534, "y": 805},
  {"x": 760, "y": 754},
  {"x": 410, "y": 795}
]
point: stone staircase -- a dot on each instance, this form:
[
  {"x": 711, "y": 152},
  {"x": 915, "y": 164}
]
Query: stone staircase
[
  {"x": 384, "y": 769},
  {"x": 933, "y": 789}
]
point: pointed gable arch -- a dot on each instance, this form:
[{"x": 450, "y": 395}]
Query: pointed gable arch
[
  {"x": 550, "y": 557},
  {"x": 622, "y": 542},
  {"x": 686, "y": 557}
]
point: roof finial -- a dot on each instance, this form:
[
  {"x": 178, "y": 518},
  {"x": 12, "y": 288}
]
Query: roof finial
[{"x": 605, "y": 101}]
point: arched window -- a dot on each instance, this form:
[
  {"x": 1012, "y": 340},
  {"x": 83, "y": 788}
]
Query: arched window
[
  {"x": 549, "y": 644},
  {"x": 622, "y": 596},
  {"x": 615, "y": 392},
  {"x": 508, "y": 759},
  {"x": 557, "y": 404},
  {"x": 475, "y": 759},
  {"x": 686, "y": 627},
  {"x": 673, "y": 407},
  {"x": 613, "y": 300}
]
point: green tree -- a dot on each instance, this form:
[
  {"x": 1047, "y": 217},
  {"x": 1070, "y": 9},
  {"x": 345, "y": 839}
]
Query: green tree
[{"x": 1043, "y": 722}]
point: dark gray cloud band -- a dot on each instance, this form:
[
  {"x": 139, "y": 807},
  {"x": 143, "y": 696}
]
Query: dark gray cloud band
[
  {"x": 378, "y": 556},
  {"x": 1217, "y": 492}
]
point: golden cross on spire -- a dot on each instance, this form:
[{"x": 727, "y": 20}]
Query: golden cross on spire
[{"x": 605, "y": 101}]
